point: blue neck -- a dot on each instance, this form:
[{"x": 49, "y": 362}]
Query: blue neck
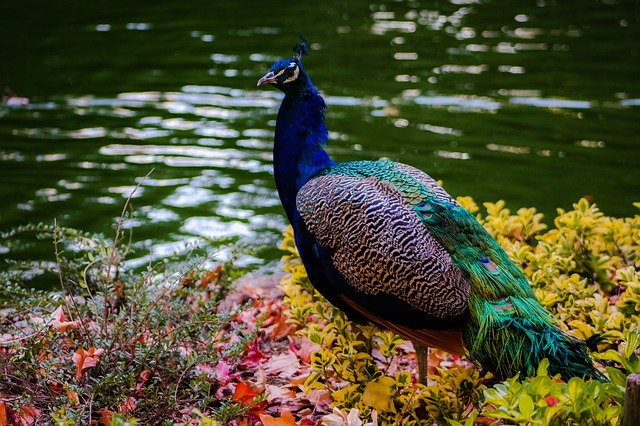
[{"x": 298, "y": 152}]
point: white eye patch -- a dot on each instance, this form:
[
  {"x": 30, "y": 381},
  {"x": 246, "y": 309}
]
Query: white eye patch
[{"x": 296, "y": 71}]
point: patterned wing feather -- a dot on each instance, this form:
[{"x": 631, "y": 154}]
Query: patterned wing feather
[{"x": 379, "y": 245}]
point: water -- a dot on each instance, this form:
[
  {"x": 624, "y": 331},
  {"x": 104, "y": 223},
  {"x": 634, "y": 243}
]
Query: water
[{"x": 533, "y": 102}]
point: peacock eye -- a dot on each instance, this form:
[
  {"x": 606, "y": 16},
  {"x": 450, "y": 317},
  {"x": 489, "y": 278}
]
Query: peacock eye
[{"x": 292, "y": 65}]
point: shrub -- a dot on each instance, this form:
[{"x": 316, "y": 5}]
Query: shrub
[
  {"x": 116, "y": 347},
  {"x": 585, "y": 271}
]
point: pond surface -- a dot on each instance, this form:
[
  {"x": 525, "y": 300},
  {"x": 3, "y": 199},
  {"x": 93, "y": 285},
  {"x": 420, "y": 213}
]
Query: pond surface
[{"x": 534, "y": 102}]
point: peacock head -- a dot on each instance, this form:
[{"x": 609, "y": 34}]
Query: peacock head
[{"x": 288, "y": 75}]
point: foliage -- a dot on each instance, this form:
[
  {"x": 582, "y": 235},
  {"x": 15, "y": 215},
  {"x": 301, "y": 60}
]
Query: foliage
[
  {"x": 586, "y": 271},
  {"x": 113, "y": 347},
  {"x": 175, "y": 344}
]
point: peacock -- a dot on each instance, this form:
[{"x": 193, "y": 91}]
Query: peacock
[{"x": 384, "y": 242}]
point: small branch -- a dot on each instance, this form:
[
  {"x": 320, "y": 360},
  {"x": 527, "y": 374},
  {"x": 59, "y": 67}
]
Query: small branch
[
  {"x": 56, "y": 239},
  {"x": 112, "y": 255}
]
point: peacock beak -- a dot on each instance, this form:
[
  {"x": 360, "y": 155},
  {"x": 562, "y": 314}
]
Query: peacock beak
[{"x": 268, "y": 78}]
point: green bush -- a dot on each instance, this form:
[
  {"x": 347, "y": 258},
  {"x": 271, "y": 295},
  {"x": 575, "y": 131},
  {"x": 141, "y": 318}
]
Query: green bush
[{"x": 585, "y": 271}]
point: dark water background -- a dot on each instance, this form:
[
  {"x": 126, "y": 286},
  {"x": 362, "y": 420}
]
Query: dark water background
[{"x": 534, "y": 102}]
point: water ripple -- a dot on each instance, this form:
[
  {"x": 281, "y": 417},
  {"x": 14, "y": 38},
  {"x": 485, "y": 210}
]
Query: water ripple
[
  {"x": 468, "y": 103},
  {"x": 550, "y": 102}
]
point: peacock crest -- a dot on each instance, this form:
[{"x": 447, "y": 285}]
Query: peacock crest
[{"x": 300, "y": 49}]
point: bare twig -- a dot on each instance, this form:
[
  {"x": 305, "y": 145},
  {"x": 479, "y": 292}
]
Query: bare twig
[{"x": 119, "y": 226}]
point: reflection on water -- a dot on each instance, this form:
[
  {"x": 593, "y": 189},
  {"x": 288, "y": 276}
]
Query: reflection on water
[{"x": 499, "y": 100}]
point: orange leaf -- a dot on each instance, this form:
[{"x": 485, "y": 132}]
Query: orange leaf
[
  {"x": 187, "y": 279},
  {"x": 105, "y": 417},
  {"x": 84, "y": 360},
  {"x": 212, "y": 276},
  {"x": 280, "y": 328},
  {"x": 4, "y": 418},
  {"x": 73, "y": 397},
  {"x": 244, "y": 394},
  {"x": 285, "y": 419},
  {"x": 60, "y": 324}
]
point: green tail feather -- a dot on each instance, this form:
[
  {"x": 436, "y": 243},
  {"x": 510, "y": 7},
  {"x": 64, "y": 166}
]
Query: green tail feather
[{"x": 514, "y": 335}]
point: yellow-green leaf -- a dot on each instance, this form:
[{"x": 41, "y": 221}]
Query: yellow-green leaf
[
  {"x": 379, "y": 394},
  {"x": 525, "y": 406}
]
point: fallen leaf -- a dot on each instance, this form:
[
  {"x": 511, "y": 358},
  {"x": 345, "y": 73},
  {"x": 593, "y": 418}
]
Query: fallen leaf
[
  {"x": 59, "y": 322},
  {"x": 4, "y": 417},
  {"x": 254, "y": 355},
  {"x": 128, "y": 405},
  {"x": 55, "y": 387},
  {"x": 304, "y": 349},
  {"x": 244, "y": 394},
  {"x": 73, "y": 397},
  {"x": 338, "y": 418},
  {"x": 211, "y": 277},
  {"x": 223, "y": 373},
  {"x": 284, "y": 365},
  {"x": 276, "y": 393},
  {"x": 280, "y": 329},
  {"x": 374, "y": 419},
  {"x": 106, "y": 416},
  {"x": 285, "y": 419},
  {"x": 318, "y": 397},
  {"x": 85, "y": 360},
  {"x": 28, "y": 415},
  {"x": 144, "y": 377}
]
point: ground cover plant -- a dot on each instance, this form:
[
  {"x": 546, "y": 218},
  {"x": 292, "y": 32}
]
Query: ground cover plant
[{"x": 185, "y": 343}]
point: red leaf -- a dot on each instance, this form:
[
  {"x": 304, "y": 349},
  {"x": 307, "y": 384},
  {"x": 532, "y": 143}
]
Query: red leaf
[
  {"x": 280, "y": 328},
  {"x": 551, "y": 401},
  {"x": 254, "y": 355},
  {"x": 305, "y": 349},
  {"x": 28, "y": 415},
  {"x": 144, "y": 377},
  {"x": 223, "y": 373}
]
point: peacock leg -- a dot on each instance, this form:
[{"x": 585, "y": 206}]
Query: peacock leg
[{"x": 422, "y": 353}]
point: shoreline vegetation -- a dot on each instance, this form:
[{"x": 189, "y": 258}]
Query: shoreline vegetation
[{"x": 197, "y": 342}]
